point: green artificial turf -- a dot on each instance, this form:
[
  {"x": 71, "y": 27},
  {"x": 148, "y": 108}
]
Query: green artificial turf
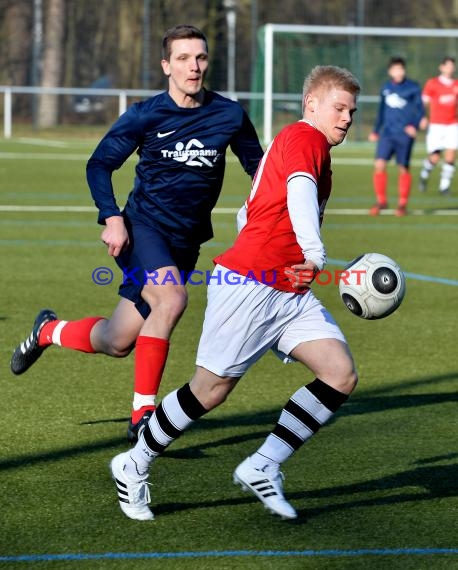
[{"x": 376, "y": 483}]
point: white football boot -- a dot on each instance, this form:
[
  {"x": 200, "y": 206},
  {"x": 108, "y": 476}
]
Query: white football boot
[
  {"x": 267, "y": 485},
  {"x": 133, "y": 496}
]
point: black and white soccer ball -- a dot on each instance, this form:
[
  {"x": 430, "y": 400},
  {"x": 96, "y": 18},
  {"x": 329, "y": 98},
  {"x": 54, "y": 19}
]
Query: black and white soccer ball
[{"x": 372, "y": 286}]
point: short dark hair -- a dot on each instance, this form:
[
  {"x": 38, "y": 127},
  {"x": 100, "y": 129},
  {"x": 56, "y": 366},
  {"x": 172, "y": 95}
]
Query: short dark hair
[
  {"x": 181, "y": 32},
  {"x": 397, "y": 61},
  {"x": 448, "y": 58}
]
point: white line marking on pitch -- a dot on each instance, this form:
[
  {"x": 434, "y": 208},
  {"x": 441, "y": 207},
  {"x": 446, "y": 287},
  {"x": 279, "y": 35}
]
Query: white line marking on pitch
[{"x": 330, "y": 211}]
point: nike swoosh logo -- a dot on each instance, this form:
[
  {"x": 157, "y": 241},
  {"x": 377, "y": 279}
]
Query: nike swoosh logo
[{"x": 161, "y": 135}]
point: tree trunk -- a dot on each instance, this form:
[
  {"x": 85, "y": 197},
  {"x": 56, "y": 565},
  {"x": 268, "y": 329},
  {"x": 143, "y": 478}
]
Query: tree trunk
[
  {"x": 48, "y": 108},
  {"x": 16, "y": 39}
]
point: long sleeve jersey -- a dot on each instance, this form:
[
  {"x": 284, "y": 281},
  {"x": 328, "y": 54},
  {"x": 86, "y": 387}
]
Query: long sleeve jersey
[
  {"x": 182, "y": 157},
  {"x": 270, "y": 240}
]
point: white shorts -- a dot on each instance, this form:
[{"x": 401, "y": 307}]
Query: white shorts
[
  {"x": 441, "y": 137},
  {"x": 243, "y": 321}
]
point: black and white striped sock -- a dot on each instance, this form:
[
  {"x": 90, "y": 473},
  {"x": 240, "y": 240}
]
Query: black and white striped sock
[
  {"x": 307, "y": 410},
  {"x": 176, "y": 412}
]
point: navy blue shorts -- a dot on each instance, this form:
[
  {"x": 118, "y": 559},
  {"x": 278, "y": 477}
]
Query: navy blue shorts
[
  {"x": 149, "y": 250},
  {"x": 395, "y": 145}
]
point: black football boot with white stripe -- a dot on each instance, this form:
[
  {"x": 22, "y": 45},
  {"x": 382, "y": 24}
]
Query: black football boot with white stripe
[
  {"x": 133, "y": 496},
  {"x": 28, "y": 352},
  {"x": 134, "y": 431},
  {"x": 267, "y": 485}
]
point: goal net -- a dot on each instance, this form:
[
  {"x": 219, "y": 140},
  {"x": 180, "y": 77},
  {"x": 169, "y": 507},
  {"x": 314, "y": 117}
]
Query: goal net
[{"x": 287, "y": 53}]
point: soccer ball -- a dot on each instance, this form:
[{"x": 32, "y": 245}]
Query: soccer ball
[{"x": 372, "y": 286}]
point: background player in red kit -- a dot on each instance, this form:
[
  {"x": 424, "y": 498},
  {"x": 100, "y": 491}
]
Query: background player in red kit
[
  {"x": 440, "y": 98},
  {"x": 259, "y": 298},
  {"x": 181, "y": 137}
]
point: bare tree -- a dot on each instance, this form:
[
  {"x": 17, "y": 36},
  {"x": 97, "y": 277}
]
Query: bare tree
[
  {"x": 15, "y": 45},
  {"x": 16, "y": 42},
  {"x": 53, "y": 61},
  {"x": 84, "y": 40},
  {"x": 130, "y": 44}
]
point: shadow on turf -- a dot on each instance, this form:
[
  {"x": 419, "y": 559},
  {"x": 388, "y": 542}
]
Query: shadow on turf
[
  {"x": 376, "y": 400},
  {"x": 437, "y": 458},
  {"x": 426, "y": 481},
  {"x": 355, "y": 406},
  {"x": 435, "y": 482}
]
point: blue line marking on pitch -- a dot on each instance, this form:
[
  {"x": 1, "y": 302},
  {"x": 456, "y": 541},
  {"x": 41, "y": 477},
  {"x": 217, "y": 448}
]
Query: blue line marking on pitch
[
  {"x": 442, "y": 280},
  {"x": 416, "y": 276},
  {"x": 338, "y": 262},
  {"x": 231, "y": 554}
]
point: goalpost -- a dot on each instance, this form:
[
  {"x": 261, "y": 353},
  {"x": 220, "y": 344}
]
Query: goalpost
[{"x": 363, "y": 50}]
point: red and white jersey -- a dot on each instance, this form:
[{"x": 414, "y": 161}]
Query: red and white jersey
[
  {"x": 441, "y": 94},
  {"x": 267, "y": 244}
]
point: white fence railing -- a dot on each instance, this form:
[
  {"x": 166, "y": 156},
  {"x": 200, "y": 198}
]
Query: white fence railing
[
  {"x": 107, "y": 104},
  {"x": 83, "y": 97}
]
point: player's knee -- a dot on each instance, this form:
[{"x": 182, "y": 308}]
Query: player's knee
[
  {"x": 170, "y": 303},
  {"x": 352, "y": 381},
  {"x": 177, "y": 303},
  {"x": 211, "y": 391},
  {"x": 344, "y": 378},
  {"x": 113, "y": 350},
  {"x": 108, "y": 339},
  {"x": 173, "y": 306},
  {"x": 215, "y": 398},
  {"x": 118, "y": 348},
  {"x": 346, "y": 381},
  {"x": 118, "y": 352}
]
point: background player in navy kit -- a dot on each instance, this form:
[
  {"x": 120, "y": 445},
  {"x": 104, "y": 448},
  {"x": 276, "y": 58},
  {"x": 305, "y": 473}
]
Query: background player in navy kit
[
  {"x": 399, "y": 115},
  {"x": 181, "y": 137}
]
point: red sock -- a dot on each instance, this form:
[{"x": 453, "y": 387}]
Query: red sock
[
  {"x": 71, "y": 334},
  {"x": 150, "y": 358},
  {"x": 404, "y": 186},
  {"x": 380, "y": 181}
]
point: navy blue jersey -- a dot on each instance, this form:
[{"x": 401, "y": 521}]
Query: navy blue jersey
[
  {"x": 180, "y": 171},
  {"x": 400, "y": 105}
]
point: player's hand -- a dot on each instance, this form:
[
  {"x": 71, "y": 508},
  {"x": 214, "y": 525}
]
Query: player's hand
[
  {"x": 411, "y": 131},
  {"x": 424, "y": 124},
  {"x": 373, "y": 137},
  {"x": 115, "y": 235},
  {"x": 301, "y": 275}
]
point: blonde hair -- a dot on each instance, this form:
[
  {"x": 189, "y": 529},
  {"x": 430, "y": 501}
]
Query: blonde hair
[{"x": 328, "y": 77}]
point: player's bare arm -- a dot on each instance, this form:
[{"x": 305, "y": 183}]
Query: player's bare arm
[{"x": 115, "y": 235}]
